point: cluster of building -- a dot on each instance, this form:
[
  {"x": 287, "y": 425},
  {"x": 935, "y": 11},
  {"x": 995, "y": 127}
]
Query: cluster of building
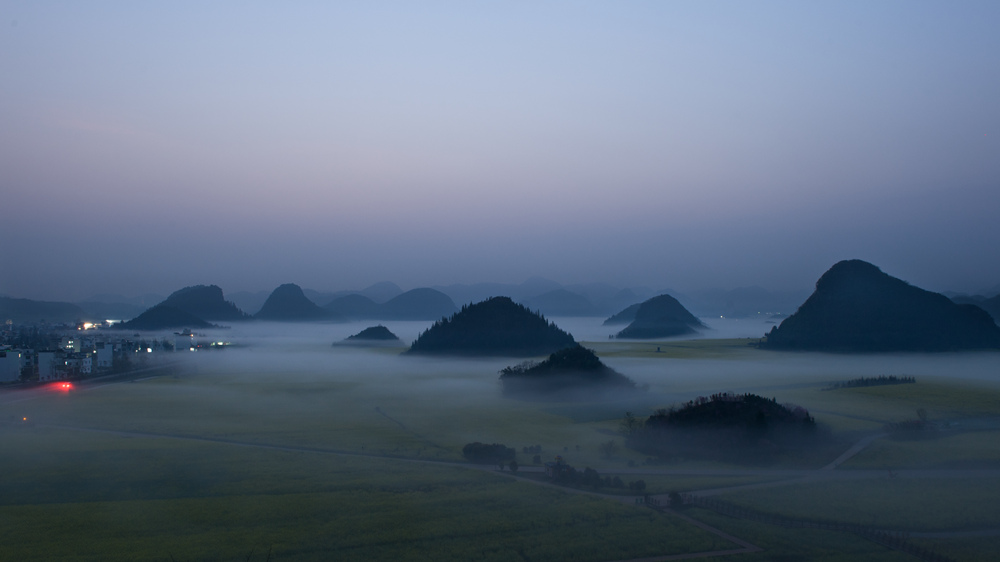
[{"x": 85, "y": 353}]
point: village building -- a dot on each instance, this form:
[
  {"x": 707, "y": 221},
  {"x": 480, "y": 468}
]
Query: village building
[{"x": 11, "y": 361}]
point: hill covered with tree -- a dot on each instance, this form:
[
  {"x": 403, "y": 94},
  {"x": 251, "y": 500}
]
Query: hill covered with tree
[
  {"x": 660, "y": 317},
  {"x": 373, "y": 334},
  {"x": 858, "y": 308},
  {"x": 728, "y": 427},
  {"x": 288, "y": 303},
  {"x": 570, "y": 373},
  {"x": 206, "y": 302},
  {"x": 163, "y": 317},
  {"x": 495, "y": 327}
]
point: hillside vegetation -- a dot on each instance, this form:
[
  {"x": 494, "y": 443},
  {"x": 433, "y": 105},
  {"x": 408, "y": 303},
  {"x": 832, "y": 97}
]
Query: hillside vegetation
[{"x": 494, "y": 327}]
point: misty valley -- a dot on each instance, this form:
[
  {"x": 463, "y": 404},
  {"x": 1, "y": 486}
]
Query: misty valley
[{"x": 493, "y": 432}]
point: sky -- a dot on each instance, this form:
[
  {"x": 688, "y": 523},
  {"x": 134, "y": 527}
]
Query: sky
[{"x": 147, "y": 146}]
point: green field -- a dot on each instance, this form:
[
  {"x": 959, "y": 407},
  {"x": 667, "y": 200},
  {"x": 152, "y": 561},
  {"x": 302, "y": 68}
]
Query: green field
[
  {"x": 190, "y": 465},
  {"x": 100, "y": 497},
  {"x": 894, "y": 503}
]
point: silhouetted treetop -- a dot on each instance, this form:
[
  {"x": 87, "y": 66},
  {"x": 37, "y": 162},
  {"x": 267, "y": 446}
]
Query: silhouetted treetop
[
  {"x": 660, "y": 317},
  {"x": 495, "y": 327},
  {"x": 858, "y": 308}
]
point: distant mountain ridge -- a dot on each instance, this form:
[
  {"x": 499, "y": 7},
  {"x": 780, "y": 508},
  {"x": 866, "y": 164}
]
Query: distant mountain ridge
[
  {"x": 288, "y": 303},
  {"x": 560, "y": 302},
  {"x": 416, "y": 304},
  {"x": 990, "y": 305},
  {"x": 858, "y": 308},
  {"x": 29, "y": 311}
]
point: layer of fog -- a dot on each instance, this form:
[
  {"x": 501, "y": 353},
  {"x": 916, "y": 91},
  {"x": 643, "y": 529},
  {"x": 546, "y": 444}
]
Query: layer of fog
[{"x": 304, "y": 352}]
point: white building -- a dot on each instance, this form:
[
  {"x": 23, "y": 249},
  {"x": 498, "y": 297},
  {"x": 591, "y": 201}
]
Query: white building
[
  {"x": 105, "y": 356},
  {"x": 46, "y": 365},
  {"x": 10, "y": 365}
]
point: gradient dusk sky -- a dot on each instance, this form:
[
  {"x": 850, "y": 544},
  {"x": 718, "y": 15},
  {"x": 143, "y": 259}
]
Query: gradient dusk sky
[{"x": 145, "y": 146}]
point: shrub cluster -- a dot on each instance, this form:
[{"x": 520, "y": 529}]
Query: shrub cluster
[
  {"x": 872, "y": 381},
  {"x": 482, "y": 453}
]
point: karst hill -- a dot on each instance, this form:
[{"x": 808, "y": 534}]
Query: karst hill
[
  {"x": 163, "y": 317},
  {"x": 206, "y": 302},
  {"x": 495, "y": 327},
  {"x": 659, "y": 317},
  {"x": 373, "y": 334},
  {"x": 288, "y": 303},
  {"x": 569, "y": 373},
  {"x": 858, "y": 308}
]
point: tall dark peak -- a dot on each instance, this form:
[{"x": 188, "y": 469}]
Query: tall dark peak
[
  {"x": 205, "y": 301},
  {"x": 660, "y": 317},
  {"x": 858, "y": 308},
  {"x": 289, "y": 303},
  {"x": 164, "y": 317},
  {"x": 495, "y": 327}
]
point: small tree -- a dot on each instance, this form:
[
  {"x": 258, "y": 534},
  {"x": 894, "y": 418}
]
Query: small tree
[
  {"x": 608, "y": 449},
  {"x": 513, "y": 466},
  {"x": 676, "y": 500},
  {"x": 630, "y": 424}
]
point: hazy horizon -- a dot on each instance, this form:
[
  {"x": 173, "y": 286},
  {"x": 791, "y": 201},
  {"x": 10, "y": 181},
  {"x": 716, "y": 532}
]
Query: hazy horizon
[{"x": 689, "y": 146}]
